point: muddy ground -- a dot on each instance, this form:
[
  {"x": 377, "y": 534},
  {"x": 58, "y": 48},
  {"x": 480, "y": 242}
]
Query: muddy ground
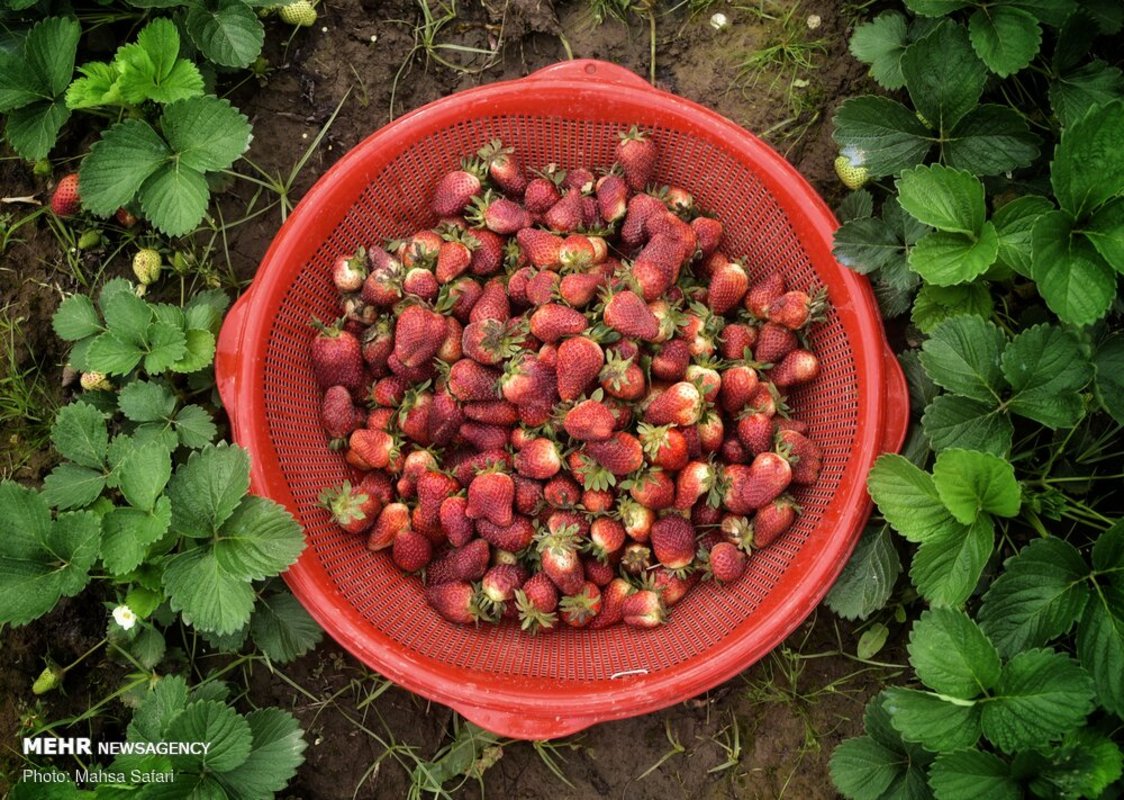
[{"x": 767, "y": 733}]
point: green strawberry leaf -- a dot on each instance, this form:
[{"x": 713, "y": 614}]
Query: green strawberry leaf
[
  {"x": 144, "y": 473},
  {"x": 936, "y": 8},
  {"x": 1073, "y": 278},
  {"x": 211, "y": 721},
  {"x": 98, "y": 86},
  {"x": 166, "y": 345},
  {"x": 209, "y": 598},
  {"x": 1005, "y": 38},
  {"x": 164, "y": 702},
  {"x": 880, "y": 134},
  {"x": 128, "y": 533},
  {"x": 76, "y": 318},
  {"x": 80, "y": 434},
  {"x": 970, "y": 483},
  {"x": 866, "y": 583},
  {"x": 259, "y": 539},
  {"x": 880, "y": 765},
  {"x": 867, "y": 244},
  {"x": 1014, "y": 222},
  {"x": 194, "y": 427},
  {"x": 972, "y": 773},
  {"x": 943, "y": 75},
  {"x": 1088, "y": 165},
  {"x": 1046, "y": 369},
  {"x": 1109, "y": 382},
  {"x": 226, "y": 32},
  {"x": 880, "y": 43},
  {"x": 951, "y": 655},
  {"x": 71, "y": 486},
  {"x": 175, "y": 198},
  {"x": 946, "y": 259},
  {"x": 1106, "y": 231},
  {"x": 152, "y": 70},
  {"x": 1100, "y": 644},
  {"x": 208, "y": 134},
  {"x": 1041, "y": 695},
  {"x": 41, "y": 560},
  {"x": 282, "y": 629},
  {"x": 146, "y": 401},
  {"x": 934, "y": 723},
  {"x": 1037, "y": 597},
  {"x": 908, "y": 499},
  {"x": 118, "y": 165},
  {"x": 277, "y": 749},
  {"x": 1085, "y": 765},
  {"x": 207, "y": 488},
  {"x": 950, "y": 200},
  {"x": 33, "y": 80},
  {"x": 934, "y": 304},
  {"x": 990, "y": 140},
  {"x": 1073, "y": 94},
  {"x": 962, "y": 355},
  {"x": 947, "y": 567}
]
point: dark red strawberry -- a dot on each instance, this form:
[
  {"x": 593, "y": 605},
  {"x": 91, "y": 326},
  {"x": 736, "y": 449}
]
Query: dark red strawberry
[
  {"x": 491, "y": 496},
  {"x": 736, "y": 342},
  {"x": 543, "y": 287},
  {"x": 755, "y": 432},
  {"x": 644, "y": 609},
  {"x": 487, "y": 342},
  {"x": 542, "y": 248},
  {"x": 803, "y": 454},
  {"x": 673, "y": 542},
  {"x": 456, "y": 189},
  {"x": 640, "y": 208},
  {"x": 727, "y": 287},
  {"x": 637, "y": 153},
  {"x": 380, "y": 419},
  {"x": 755, "y": 486},
  {"x": 733, "y": 451},
  {"x": 393, "y": 518},
  {"x": 492, "y": 303},
  {"x": 598, "y": 501},
  {"x": 708, "y": 233},
  {"x": 664, "y": 446},
  {"x": 762, "y": 293},
  {"x": 552, "y": 322},
  {"x": 680, "y": 404},
  {"x": 791, "y": 424},
  {"x": 598, "y": 572},
  {"x": 628, "y": 314},
  {"x": 671, "y": 585},
  {"x": 562, "y": 492},
  {"x": 511, "y": 538},
  {"x": 485, "y": 438},
  {"x": 772, "y": 520},
  {"x": 455, "y": 255},
  {"x": 470, "y": 561},
  {"x": 456, "y": 601},
  {"x": 459, "y": 297},
  {"x": 337, "y": 358},
  {"x": 579, "y": 289},
  {"x": 579, "y": 178},
  {"x": 565, "y": 215},
  {"x": 560, "y": 560},
  {"x": 383, "y": 287},
  {"x": 738, "y": 385},
  {"x": 411, "y": 550},
  {"x": 455, "y": 523},
  {"x": 528, "y": 494},
  {"x": 589, "y": 421},
  {"x": 693, "y": 483},
  {"x": 445, "y": 418},
  {"x": 527, "y": 382},
  {"x": 536, "y": 602},
  {"x": 726, "y": 562},
  {"x": 654, "y": 489},
  {"x": 612, "y": 197},
  {"x": 622, "y": 377},
  {"x": 418, "y": 334},
  {"x": 542, "y": 193},
  {"x": 504, "y": 167},
  {"x": 432, "y": 490},
  {"x": 497, "y": 214},
  {"x": 580, "y": 608},
  {"x": 671, "y": 361},
  {"x": 606, "y": 538},
  {"x": 795, "y": 309},
  {"x": 367, "y": 449},
  {"x": 621, "y": 454},
  {"x": 420, "y": 282},
  {"x": 351, "y": 508},
  {"x": 612, "y": 603},
  {"x": 656, "y": 267},
  {"x": 539, "y": 459},
  {"x": 799, "y": 366},
  {"x": 413, "y": 416},
  {"x": 469, "y": 381},
  {"x": 492, "y": 412},
  {"x": 339, "y": 416}
]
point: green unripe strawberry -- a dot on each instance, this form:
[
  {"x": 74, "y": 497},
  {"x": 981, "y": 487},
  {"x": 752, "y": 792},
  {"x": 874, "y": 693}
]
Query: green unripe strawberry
[
  {"x": 95, "y": 382},
  {"x": 300, "y": 13},
  {"x": 853, "y": 177},
  {"x": 48, "y": 679},
  {"x": 147, "y": 265},
  {"x": 42, "y": 168},
  {"x": 88, "y": 239}
]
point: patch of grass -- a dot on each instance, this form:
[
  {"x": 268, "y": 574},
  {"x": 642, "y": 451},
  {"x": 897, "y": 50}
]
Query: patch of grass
[{"x": 27, "y": 405}]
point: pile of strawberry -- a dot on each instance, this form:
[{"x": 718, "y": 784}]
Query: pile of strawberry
[{"x": 565, "y": 402}]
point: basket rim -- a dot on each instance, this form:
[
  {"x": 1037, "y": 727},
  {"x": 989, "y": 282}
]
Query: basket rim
[{"x": 502, "y": 704}]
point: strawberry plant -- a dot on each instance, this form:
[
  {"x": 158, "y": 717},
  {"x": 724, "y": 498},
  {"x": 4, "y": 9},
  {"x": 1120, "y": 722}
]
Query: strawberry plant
[{"x": 35, "y": 77}]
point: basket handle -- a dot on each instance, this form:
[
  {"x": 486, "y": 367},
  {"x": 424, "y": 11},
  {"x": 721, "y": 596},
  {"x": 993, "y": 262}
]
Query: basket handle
[
  {"x": 228, "y": 352},
  {"x": 895, "y": 421},
  {"x": 523, "y": 725},
  {"x": 589, "y": 69}
]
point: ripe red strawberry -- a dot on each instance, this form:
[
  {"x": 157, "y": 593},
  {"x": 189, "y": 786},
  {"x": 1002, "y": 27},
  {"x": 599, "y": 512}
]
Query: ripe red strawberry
[
  {"x": 499, "y": 584},
  {"x": 538, "y": 459},
  {"x": 420, "y": 250},
  {"x": 339, "y": 416},
  {"x": 656, "y": 267},
  {"x": 367, "y": 449},
  {"x": 726, "y": 563},
  {"x": 578, "y": 289},
  {"x": 445, "y": 418},
  {"x": 598, "y": 501},
  {"x": 598, "y": 572},
  {"x": 426, "y": 371},
  {"x": 454, "y": 255},
  {"x": 469, "y": 381},
  {"x": 337, "y": 358},
  {"x": 577, "y": 252},
  {"x": 504, "y": 167},
  {"x": 654, "y": 489},
  {"x": 799, "y": 366},
  {"x": 420, "y": 282},
  {"x": 795, "y": 309},
  {"x": 671, "y": 585},
  {"x": 562, "y": 492},
  {"x": 411, "y": 550},
  {"x": 528, "y": 494},
  {"x": 606, "y": 538},
  {"x": 673, "y": 541},
  {"x": 708, "y": 234},
  {"x": 542, "y": 193},
  {"x": 383, "y": 286},
  {"x": 640, "y": 208},
  {"x": 736, "y": 341},
  {"x": 755, "y": 432},
  {"x": 542, "y": 287},
  {"x": 432, "y": 490},
  {"x": 791, "y": 424},
  {"x": 664, "y": 446},
  {"x": 579, "y": 178},
  {"x": 393, "y": 518},
  {"x": 774, "y": 342},
  {"x": 487, "y": 342},
  {"x": 711, "y": 432},
  {"x": 754, "y": 486},
  {"x": 492, "y": 303},
  {"x": 671, "y": 361},
  {"x": 772, "y": 520},
  {"x": 560, "y": 560},
  {"x": 380, "y": 419},
  {"x": 456, "y": 189},
  {"x": 565, "y": 215},
  {"x": 622, "y": 377},
  {"x": 626, "y": 313},
  {"x": 636, "y": 558},
  {"x": 694, "y": 481},
  {"x": 376, "y": 344},
  {"x": 680, "y": 404},
  {"x": 492, "y": 412},
  {"x": 612, "y": 602},
  {"x": 65, "y": 202},
  {"x": 762, "y": 294},
  {"x": 470, "y": 561},
  {"x": 733, "y": 451},
  {"x": 350, "y": 272},
  {"x": 706, "y": 378},
  {"x": 413, "y": 416},
  {"x": 455, "y": 523},
  {"x": 351, "y": 508},
  {"x": 527, "y": 382},
  {"x": 511, "y": 538},
  {"x": 766, "y": 399},
  {"x": 418, "y": 334},
  {"x": 542, "y": 248},
  {"x": 456, "y": 601},
  {"x": 637, "y": 153},
  {"x": 727, "y": 287},
  {"x": 491, "y": 495},
  {"x": 579, "y": 609},
  {"x": 644, "y": 609},
  {"x": 497, "y": 214},
  {"x": 536, "y": 602},
  {"x": 612, "y": 197},
  {"x": 485, "y": 438},
  {"x": 620, "y": 454},
  {"x": 552, "y": 322},
  {"x": 738, "y": 385},
  {"x": 803, "y": 454}
]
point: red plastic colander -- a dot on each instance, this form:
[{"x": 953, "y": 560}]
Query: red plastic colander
[{"x": 502, "y": 679}]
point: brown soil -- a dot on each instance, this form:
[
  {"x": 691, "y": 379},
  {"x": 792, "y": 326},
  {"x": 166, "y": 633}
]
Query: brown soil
[{"x": 787, "y": 725}]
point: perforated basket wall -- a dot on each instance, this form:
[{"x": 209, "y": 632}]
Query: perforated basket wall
[{"x": 499, "y": 676}]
